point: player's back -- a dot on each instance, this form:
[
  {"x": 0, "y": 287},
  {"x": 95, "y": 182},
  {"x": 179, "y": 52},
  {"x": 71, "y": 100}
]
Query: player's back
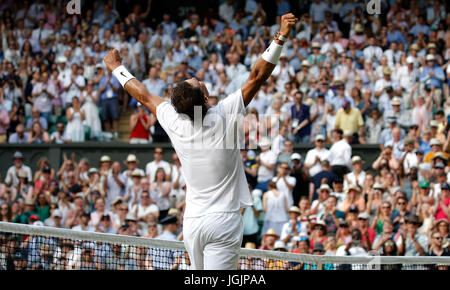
[{"x": 209, "y": 154}]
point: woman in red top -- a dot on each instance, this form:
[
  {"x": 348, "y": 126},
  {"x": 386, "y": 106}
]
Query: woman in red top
[
  {"x": 141, "y": 121},
  {"x": 442, "y": 208}
]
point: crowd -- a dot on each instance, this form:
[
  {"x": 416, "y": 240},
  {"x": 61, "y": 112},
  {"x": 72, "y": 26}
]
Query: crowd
[{"x": 345, "y": 77}]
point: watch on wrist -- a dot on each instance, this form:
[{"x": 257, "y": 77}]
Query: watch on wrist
[{"x": 280, "y": 37}]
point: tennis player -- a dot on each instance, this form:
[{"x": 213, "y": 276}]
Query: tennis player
[{"x": 215, "y": 179}]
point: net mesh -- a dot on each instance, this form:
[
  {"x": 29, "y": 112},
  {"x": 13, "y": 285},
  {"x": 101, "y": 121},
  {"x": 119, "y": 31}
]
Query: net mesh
[{"x": 24, "y": 247}]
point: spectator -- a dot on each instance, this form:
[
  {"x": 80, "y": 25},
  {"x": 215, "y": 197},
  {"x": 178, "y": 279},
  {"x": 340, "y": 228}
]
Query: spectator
[
  {"x": 61, "y": 135},
  {"x": 20, "y": 136},
  {"x": 415, "y": 243},
  {"x": 266, "y": 161},
  {"x": 350, "y": 119},
  {"x": 301, "y": 126},
  {"x": 75, "y": 117},
  {"x": 315, "y": 156},
  {"x": 114, "y": 184},
  {"x": 292, "y": 228},
  {"x": 108, "y": 89},
  {"x": 275, "y": 207},
  {"x": 140, "y": 122},
  {"x": 89, "y": 99},
  {"x": 341, "y": 152}
]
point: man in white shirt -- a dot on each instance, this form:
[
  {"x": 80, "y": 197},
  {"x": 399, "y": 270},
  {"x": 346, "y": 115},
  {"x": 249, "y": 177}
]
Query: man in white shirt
[
  {"x": 284, "y": 182},
  {"x": 152, "y": 167},
  {"x": 330, "y": 44},
  {"x": 373, "y": 52},
  {"x": 316, "y": 155},
  {"x": 215, "y": 194},
  {"x": 73, "y": 85},
  {"x": 145, "y": 207},
  {"x": 12, "y": 177},
  {"x": 341, "y": 152},
  {"x": 266, "y": 160},
  {"x": 114, "y": 184}
]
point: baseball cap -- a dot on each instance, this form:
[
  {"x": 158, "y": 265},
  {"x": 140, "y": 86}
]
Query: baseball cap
[
  {"x": 46, "y": 169},
  {"x": 354, "y": 209},
  {"x": 445, "y": 185},
  {"x": 318, "y": 247},
  {"x": 364, "y": 215},
  {"x": 279, "y": 245},
  {"x": 18, "y": 154},
  {"x": 320, "y": 137},
  {"x": 396, "y": 101},
  {"x": 92, "y": 170},
  {"x": 430, "y": 57},
  {"x": 434, "y": 123},
  {"x": 434, "y": 141},
  {"x": 34, "y": 217},
  {"x": 424, "y": 184},
  {"x": 410, "y": 59},
  {"x": 296, "y": 156},
  {"x": 56, "y": 213},
  {"x": 356, "y": 159}
]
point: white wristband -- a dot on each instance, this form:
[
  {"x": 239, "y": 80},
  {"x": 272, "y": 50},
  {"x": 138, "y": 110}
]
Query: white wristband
[
  {"x": 272, "y": 53},
  {"x": 122, "y": 75}
]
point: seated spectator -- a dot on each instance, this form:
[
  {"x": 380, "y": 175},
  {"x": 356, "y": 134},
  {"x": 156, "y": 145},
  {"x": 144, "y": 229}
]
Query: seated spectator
[
  {"x": 388, "y": 234},
  {"x": 20, "y": 136},
  {"x": 60, "y": 136},
  {"x": 36, "y": 118},
  {"x": 38, "y": 135}
]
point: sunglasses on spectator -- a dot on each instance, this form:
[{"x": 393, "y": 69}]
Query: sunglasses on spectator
[
  {"x": 437, "y": 238},
  {"x": 401, "y": 203},
  {"x": 124, "y": 208},
  {"x": 384, "y": 207}
]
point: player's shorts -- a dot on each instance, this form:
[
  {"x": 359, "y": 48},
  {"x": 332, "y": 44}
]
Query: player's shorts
[{"x": 214, "y": 241}]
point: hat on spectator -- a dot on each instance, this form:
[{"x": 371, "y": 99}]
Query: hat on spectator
[
  {"x": 29, "y": 201},
  {"x": 136, "y": 173},
  {"x": 418, "y": 151},
  {"x": 38, "y": 224},
  {"x": 283, "y": 55},
  {"x": 301, "y": 237},
  {"x": 324, "y": 187},
  {"x": 56, "y": 213},
  {"x": 358, "y": 78},
  {"x": 414, "y": 46},
  {"x": 364, "y": 215},
  {"x": 34, "y": 217},
  {"x": 348, "y": 133},
  {"x": 431, "y": 45},
  {"x": 117, "y": 200},
  {"x": 315, "y": 45},
  {"x": 320, "y": 137},
  {"x": 99, "y": 65},
  {"x": 180, "y": 29},
  {"x": 22, "y": 173},
  {"x": 440, "y": 155},
  {"x": 105, "y": 158},
  {"x": 320, "y": 223},
  {"x": 193, "y": 39},
  {"x": 18, "y": 155},
  {"x": 430, "y": 57},
  {"x": 359, "y": 28},
  {"x": 414, "y": 125},
  {"x": 250, "y": 245},
  {"x": 434, "y": 123},
  {"x": 424, "y": 184},
  {"x": 131, "y": 158},
  {"x": 434, "y": 142},
  {"x": 294, "y": 209},
  {"x": 173, "y": 212},
  {"x": 387, "y": 70},
  {"x": 396, "y": 101},
  {"x": 86, "y": 214},
  {"x": 279, "y": 245},
  {"x": 92, "y": 170},
  {"x": 353, "y": 187},
  {"x": 378, "y": 186},
  {"x": 271, "y": 232},
  {"x": 265, "y": 142},
  {"x": 46, "y": 169},
  {"x": 346, "y": 104},
  {"x": 445, "y": 185},
  {"x": 356, "y": 159},
  {"x": 61, "y": 59},
  {"x": 408, "y": 141},
  {"x": 410, "y": 59},
  {"x": 306, "y": 63},
  {"x": 318, "y": 247},
  {"x": 130, "y": 217}
]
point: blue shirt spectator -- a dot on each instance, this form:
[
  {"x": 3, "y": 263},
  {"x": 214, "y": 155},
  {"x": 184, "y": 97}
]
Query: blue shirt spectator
[{"x": 109, "y": 92}]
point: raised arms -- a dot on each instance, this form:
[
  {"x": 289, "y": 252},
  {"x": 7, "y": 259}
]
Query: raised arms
[
  {"x": 262, "y": 68},
  {"x": 134, "y": 87}
]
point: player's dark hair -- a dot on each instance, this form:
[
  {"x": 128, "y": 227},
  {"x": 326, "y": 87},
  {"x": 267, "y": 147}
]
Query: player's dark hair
[{"x": 185, "y": 97}]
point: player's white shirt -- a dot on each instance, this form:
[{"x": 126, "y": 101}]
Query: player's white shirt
[{"x": 215, "y": 178}]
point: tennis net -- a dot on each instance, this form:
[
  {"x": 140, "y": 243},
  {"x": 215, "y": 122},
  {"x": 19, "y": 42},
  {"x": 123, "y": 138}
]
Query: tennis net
[{"x": 27, "y": 247}]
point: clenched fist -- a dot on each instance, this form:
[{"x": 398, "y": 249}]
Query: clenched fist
[
  {"x": 288, "y": 21},
  {"x": 112, "y": 59}
]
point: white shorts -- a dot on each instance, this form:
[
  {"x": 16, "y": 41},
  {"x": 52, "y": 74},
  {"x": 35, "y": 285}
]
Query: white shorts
[{"x": 214, "y": 241}]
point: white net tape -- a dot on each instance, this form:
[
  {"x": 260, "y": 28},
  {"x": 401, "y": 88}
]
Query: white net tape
[{"x": 318, "y": 260}]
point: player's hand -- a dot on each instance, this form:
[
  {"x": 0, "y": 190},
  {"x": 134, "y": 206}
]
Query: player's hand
[
  {"x": 288, "y": 21},
  {"x": 113, "y": 59}
]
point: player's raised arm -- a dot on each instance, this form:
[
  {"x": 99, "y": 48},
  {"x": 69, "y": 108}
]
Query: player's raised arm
[
  {"x": 264, "y": 66},
  {"x": 134, "y": 87}
]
